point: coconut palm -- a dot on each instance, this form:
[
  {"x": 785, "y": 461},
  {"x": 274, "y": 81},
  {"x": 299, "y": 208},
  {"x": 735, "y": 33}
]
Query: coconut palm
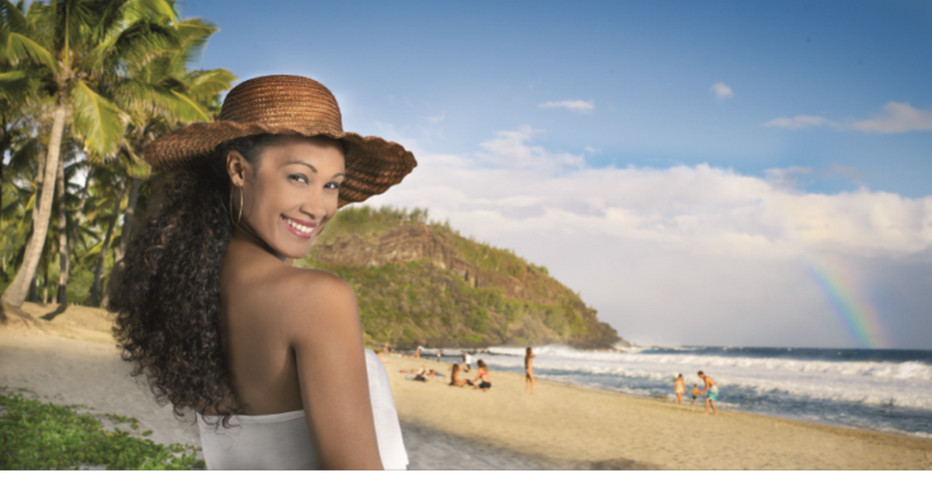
[
  {"x": 69, "y": 46},
  {"x": 158, "y": 95}
]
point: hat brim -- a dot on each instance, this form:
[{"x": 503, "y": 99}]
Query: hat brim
[{"x": 373, "y": 164}]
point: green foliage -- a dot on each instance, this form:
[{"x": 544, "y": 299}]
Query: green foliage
[{"x": 42, "y": 436}]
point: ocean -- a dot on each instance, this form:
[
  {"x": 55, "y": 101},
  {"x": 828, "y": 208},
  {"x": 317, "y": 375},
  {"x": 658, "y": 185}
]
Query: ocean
[{"x": 874, "y": 389}]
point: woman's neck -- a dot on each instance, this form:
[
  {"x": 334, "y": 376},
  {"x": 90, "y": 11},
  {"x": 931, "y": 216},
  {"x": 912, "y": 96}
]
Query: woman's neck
[{"x": 245, "y": 236}]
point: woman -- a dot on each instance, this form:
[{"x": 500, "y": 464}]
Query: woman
[
  {"x": 455, "y": 379},
  {"x": 679, "y": 387},
  {"x": 482, "y": 381},
  {"x": 529, "y": 371},
  {"x": 210, "y": 308}
]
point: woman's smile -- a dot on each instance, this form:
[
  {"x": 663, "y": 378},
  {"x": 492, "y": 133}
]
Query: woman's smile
[{"x": 302, "y": 229}]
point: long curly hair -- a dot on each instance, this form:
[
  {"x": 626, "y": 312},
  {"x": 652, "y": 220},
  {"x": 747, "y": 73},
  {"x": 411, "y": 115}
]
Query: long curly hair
[{"x": 166, "y": 291}]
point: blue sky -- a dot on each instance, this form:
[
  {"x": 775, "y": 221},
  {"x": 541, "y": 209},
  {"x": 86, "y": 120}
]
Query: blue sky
[{"x": 679, "y": 164}]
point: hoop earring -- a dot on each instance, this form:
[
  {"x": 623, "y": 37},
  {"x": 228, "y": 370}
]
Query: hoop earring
[{"x": 239, "y": 217}]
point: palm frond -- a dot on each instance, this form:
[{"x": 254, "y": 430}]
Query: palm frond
[
  {"x": 100, "y": 121},
  {"x": 18, "y": 47}
]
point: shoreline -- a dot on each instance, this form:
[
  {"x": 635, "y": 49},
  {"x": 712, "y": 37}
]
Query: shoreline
[
  {"x": 619, "y": 431},
  {"x": 73, "y": 360}
]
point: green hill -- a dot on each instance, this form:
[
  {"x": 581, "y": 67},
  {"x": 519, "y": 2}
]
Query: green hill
[{"x": 421, "y": 283}]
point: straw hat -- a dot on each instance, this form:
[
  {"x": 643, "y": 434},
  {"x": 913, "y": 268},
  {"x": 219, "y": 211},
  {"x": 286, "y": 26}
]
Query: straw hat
[{"x": 289, "y": 105}]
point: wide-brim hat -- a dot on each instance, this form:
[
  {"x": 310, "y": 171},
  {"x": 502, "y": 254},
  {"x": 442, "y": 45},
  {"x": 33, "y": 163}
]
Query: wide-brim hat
[{"x": 289, "y": 105}]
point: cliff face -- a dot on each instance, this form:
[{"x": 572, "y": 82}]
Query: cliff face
[{"x": 419, "y": 283}]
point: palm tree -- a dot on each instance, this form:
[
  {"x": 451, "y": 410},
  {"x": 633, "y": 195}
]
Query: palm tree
[
  {"x": 69, "y": 45},
  {"x": 158, "y": 95}
]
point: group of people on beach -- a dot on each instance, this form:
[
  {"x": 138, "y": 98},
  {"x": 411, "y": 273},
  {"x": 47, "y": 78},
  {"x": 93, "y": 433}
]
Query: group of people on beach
[
  {"x": 482, "y": 380},
  {"x": 709, "y": 390}
]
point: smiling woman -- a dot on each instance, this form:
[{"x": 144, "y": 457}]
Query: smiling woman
[
  {"x": 290, "y": 193},
  {"x": 209, "y": 307}
]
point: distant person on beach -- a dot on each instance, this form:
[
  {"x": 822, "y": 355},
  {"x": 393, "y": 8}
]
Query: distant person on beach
[
  {"x": 455, "y": 379},
  {"x": 465, "y": 360},
  {"x": 209, "y": 307},
  {"x": 695, "y": 393},
  {"x": 529, "y": 371},
  {"x": 482, "y": 380},
  {"x": 711, "y": 392},
  {"x": 679, "y": 386}
]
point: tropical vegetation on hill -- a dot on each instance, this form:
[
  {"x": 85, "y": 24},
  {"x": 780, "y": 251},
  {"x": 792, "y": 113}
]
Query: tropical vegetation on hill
[{"x": 422, "y": 283}]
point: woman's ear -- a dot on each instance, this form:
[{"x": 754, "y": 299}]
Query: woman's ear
[{"x": 237, "y": 167}]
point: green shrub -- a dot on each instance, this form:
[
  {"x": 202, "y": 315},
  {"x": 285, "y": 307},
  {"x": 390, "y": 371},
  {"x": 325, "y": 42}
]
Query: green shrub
[{"x": 43, "y": 436}]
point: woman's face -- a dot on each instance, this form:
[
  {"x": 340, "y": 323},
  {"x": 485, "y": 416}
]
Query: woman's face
[{"x": 291, "y": 191}]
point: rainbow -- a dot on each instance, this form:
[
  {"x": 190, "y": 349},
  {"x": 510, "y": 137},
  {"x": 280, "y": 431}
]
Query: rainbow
[{"x": 858, "y": 315}]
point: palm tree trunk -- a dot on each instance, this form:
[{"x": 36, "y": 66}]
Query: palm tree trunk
[
  {"x": 15, "y": 293},
  {"x": 128, "y": 216},
  {"x": 63, "y": 256},
  {"x": 78, "y": 218},
  {"x": 93, "y": 296},
  {"x": 5, "y": 141}
]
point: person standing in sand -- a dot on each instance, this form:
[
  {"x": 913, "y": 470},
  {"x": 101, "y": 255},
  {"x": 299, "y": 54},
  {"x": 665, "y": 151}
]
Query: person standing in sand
[
  {"x": 529, "y": 371},
  {"x": 208, "y": 305},
  {"x": 710, "y": 389},
  {"x": 465, "y": 361},
  {"x": 679, "y": 386}
]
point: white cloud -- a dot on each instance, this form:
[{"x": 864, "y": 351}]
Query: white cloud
[
  {"x": 687, "y": 254},
  {"x": 511, "y": 149},
  {"x": 722, "y": 91},
  {"x": 799, "y": 122},
  {"x": 897, "y": 118},
  {"x": 578, "y": 106}
]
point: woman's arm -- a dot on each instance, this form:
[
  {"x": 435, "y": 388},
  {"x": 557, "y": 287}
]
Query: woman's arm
[{"x": 326, "y": 339}]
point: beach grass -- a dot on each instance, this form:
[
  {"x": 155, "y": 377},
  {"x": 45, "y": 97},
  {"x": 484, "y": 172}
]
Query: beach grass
[{"x": 36, "y": 435}]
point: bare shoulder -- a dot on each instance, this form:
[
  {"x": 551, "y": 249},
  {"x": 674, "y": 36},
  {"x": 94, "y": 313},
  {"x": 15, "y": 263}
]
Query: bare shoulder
[{"x": 316, "y": 304}]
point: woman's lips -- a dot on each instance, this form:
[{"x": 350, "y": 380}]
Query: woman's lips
[{"x": 300, "y": 228}]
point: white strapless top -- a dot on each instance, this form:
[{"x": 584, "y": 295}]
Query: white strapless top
[{"x": 281, "y": 441}]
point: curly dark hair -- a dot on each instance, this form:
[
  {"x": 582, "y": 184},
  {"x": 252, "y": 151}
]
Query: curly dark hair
[{"x": 166, "y": 291}]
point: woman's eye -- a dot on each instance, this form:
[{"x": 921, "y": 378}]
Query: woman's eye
[
  {"x": 298, "y": 177},
  {"x": 332, "y": 185}
]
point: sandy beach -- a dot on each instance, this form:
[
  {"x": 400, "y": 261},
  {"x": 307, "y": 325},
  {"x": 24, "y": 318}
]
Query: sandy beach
[{"x": 73, "y": 360}]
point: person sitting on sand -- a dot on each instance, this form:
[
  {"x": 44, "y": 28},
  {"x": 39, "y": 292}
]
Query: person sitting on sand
[
  {"x": 679, "y": 386},
  {"x": 482, "y": 380},
  {"x": 455, "y": 379},
  {"x": 208, "y": 305},
  {"x": 711, "y": 392},
  {"x": 529, "y": 371},
  {"x": 695, "y": 393},
  {"x": 422, "y": 375}
]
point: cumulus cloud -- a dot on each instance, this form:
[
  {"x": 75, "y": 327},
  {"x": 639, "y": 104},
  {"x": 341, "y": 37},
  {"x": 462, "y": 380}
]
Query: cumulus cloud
[
  {"x": 897, "y": 118},
  {"x": 578, "y": 106},
  {"x": 512, "y": 149},
  {"x": 722, "y": 91},
  {"x": 686, "y": 254}
]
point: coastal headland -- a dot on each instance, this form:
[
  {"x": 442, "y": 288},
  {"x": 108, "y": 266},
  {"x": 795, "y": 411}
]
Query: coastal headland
[{"x": 73, "y": 360}]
